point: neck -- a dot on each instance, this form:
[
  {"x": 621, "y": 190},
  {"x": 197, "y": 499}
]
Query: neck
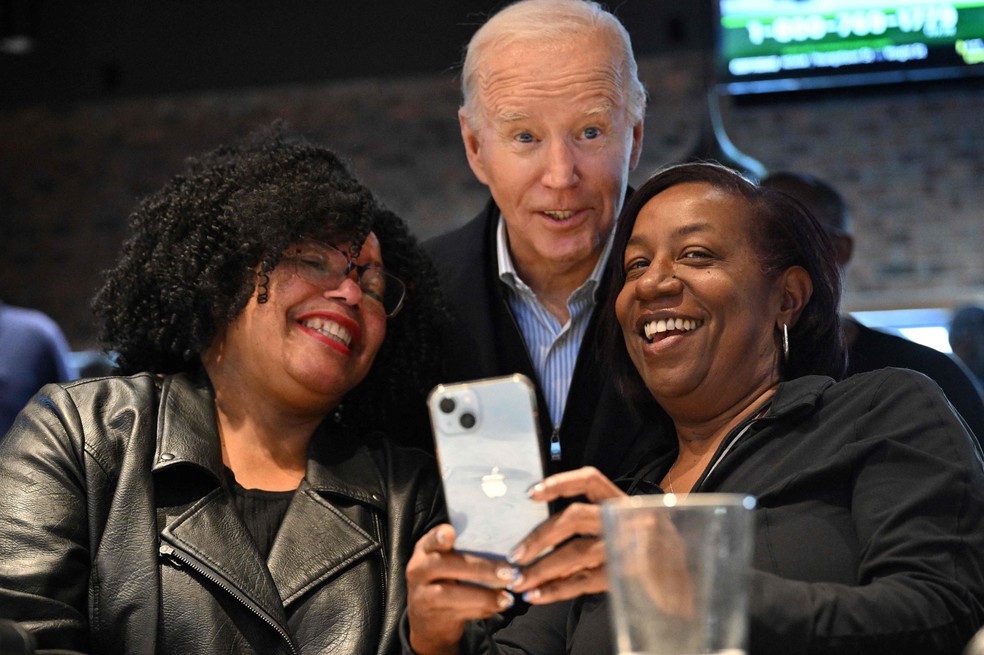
[
  {"x": 265, "y": 449},
  {"x": 554, "y": 282},
  {"x": 695, "y": 431},
  {"x": 699, "y": 440},
  {"x": 264, "y": 441}
]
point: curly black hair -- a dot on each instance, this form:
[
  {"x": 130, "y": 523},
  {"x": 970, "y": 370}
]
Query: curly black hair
[
  {"x": 787, "y": 235},
  {"x": 190, "y": 266}
]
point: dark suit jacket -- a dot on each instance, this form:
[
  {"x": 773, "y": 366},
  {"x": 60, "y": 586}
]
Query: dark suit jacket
[{"x": 598, "y": 427}]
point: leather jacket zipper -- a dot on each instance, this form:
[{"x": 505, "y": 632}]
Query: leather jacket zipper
[{"x": 181, "y": 559}]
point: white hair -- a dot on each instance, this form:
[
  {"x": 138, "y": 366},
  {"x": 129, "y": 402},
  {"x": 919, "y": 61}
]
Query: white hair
[{"x": 537, "y": 22}]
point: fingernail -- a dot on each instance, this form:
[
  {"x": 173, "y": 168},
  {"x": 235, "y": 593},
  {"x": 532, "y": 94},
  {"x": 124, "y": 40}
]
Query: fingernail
[
  {"x": 507, "y": 573},
  {"x": 531, "y": 595},
  {"x": 516, "y": 554},
  {"x": 535, "y": 488},
  {"x": 442, "y": 537},
  {"x": 505, "y": 600}
]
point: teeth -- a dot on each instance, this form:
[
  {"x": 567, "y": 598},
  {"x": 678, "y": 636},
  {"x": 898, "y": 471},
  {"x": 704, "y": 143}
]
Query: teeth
[
  {"x": 559, "y": 215},
  {"x": 653, "y": 328},
  {"x": 329, "y": 329}
]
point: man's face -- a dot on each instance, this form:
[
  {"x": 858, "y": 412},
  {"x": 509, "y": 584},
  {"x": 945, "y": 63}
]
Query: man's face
[{"x": 554, "y": 144}]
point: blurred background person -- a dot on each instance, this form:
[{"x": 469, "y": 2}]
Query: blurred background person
[
  {"x": 229, "y": 491},
  {"x": 869, "y": 349},
  {"x": 33, "y": 352},
  {"x": 967, "y": 338}
]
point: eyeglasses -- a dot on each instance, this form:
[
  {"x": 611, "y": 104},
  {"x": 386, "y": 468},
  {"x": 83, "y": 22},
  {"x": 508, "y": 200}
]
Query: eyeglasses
[{"x": 325, "y": 266}]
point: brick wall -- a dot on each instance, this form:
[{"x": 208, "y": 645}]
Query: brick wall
[{"x": 911, "y": 165}]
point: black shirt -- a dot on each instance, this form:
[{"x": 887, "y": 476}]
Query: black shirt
[{"x": 262, "y": 511}]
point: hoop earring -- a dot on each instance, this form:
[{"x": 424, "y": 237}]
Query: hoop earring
[
  {"x": 785, "y": 343},
  {"x": 263, "y": 294}
]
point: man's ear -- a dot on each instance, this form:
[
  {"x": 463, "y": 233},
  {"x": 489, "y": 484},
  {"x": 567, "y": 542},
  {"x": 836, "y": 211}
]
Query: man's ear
[
  {"x": 636, "y": 152},
  {"x": 797, "y": 288},
  {"x": 473, "y": 145},
  {"x": 843, "y": 249}
]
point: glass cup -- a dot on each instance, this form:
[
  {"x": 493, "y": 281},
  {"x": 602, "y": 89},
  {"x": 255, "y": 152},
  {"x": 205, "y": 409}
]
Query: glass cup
[{"x": 678, "y": 572}]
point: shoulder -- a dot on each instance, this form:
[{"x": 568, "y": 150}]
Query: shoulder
[
  {"x": 89, "y": 421},
  {"x": 873, "y": 387},
  {"x": 887, "y": 396},
  {"x": 903, "y": 404},
  {"x": 879, "y": 349},
  {"x": 464, "y": 245},
  {"x": 99, "y": 397},
  {"x": 402, "y": 464},
  {"x": 30, "y": 327},
  {"x": 411, "y": 484}
]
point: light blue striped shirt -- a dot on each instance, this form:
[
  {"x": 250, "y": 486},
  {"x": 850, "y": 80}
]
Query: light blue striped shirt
[{"x": 552, "y": 347}]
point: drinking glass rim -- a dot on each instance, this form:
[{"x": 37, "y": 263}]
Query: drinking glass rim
[{"x": 668, "y": 500}]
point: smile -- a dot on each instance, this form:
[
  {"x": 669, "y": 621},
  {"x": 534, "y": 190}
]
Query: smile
[
  {"x": 329, "y": 329},
  {"x": 662, "y": 326},
  {"x": 558, "y": 214}
]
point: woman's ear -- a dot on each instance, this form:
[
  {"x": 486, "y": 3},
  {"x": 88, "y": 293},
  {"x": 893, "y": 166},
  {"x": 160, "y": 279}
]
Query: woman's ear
[{"x": 797, "y": 287}]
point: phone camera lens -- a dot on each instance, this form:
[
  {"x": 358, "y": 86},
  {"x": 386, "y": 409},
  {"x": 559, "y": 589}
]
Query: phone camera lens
[
  {"x": 467, "y": 420},
  {"x": 447, "y": 405}
]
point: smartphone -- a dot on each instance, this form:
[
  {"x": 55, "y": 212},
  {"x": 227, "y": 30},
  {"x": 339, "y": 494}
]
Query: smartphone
[{"x": 487, "y": 439}]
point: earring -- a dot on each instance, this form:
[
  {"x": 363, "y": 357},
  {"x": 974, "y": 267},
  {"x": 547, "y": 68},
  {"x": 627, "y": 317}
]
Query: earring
[
  {"x": 263, "y": 294},
  {"x": 785, "y": 342}
]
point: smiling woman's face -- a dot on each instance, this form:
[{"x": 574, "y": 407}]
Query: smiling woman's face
[
  {"x": 697, "y": 314},
  {"x": 306, "y": 346}
]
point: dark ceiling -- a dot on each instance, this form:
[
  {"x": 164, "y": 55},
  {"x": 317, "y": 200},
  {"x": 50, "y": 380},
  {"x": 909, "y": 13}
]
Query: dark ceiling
[{"x": 112, "y": 48}]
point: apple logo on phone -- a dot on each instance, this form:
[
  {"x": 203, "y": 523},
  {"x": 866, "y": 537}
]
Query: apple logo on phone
[{"x": 493, "y": 485}]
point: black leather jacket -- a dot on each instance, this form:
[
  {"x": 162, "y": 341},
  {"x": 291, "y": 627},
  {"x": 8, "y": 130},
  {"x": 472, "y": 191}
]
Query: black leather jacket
[{"x": 118, "y": 534}]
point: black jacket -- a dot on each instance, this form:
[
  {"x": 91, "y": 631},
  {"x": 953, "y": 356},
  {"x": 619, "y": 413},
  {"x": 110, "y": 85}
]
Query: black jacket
[
  {"x": 598, "y": 427},
  {"x": 869, "y": 531},
  {"x": 871, "y": 350},
  {"x": 118, "y": 534}
]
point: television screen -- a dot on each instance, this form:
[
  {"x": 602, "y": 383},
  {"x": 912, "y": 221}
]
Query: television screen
[{"x": 776, "y": 46}]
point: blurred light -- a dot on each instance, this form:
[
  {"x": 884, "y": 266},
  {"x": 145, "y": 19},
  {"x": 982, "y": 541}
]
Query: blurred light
[
  {"x": 935, "y": 337},
  {"x": 19, "y": 44},
  {"x": 927, "y": 326}
]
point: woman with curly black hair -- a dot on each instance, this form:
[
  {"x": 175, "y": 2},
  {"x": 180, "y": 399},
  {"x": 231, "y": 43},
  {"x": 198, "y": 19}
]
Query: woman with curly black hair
[{"x": 230, "y": 492}]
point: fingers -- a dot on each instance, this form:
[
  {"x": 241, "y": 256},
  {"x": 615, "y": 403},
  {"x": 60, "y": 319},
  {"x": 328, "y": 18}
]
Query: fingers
[
  {"x": 575, "y": 559},
  {"x": 449, "y": 602},
  {"x": 434, "y": 559},
  {"x": 591, "y": 581},
  {"x": 577, "y": 567},
  {"x": 578, "y": 519},
  {"x": 437, "y": 613},
  {"x": 587, "y": 481},
  {"x": 443, "y": 591}
]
